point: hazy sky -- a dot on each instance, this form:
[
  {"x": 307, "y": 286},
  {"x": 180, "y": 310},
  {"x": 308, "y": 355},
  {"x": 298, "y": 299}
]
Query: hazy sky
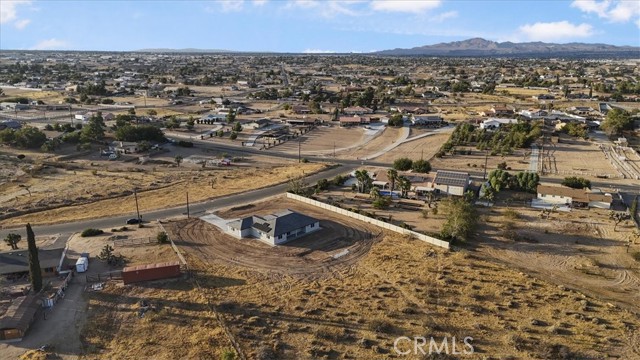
[{"x": 308, "y": 25}]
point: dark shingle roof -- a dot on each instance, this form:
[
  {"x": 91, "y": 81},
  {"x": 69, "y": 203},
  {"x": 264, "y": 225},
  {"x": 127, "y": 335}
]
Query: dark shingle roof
[
  {"x": 18, "y": 260},
  {"x": 276, "y": 224}
]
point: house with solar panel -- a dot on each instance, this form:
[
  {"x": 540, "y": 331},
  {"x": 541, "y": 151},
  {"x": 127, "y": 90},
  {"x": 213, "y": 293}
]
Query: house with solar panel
[
  {"x": 451, "y": 182},
  {"x": 274, "y": 229}
]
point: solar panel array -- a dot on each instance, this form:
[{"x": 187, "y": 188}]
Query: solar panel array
[{"x": 451, "y": 178}]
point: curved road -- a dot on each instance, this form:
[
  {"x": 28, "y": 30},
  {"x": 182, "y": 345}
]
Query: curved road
[{"x": 196, "y": 209}]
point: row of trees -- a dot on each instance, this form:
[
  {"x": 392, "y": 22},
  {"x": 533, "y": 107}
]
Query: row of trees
[
  {"x": 499, "y": 180},
  {"x": 406, "y": 164}
]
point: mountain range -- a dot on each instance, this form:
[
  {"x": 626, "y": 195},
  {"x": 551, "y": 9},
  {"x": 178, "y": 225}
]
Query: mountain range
[{"x": 478, "y": 47}]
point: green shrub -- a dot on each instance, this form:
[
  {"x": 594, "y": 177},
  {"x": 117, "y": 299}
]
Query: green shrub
[
  {"x": 162, "y": 237},
  {"x": 91, "y": 232}
]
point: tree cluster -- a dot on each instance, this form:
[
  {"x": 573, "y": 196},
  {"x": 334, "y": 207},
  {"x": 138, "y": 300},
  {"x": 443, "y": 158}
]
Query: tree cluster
[
  {"x": 576, "y": 182},
  {"x": 25, "y": 138},
  {"x": 139, "y": 133}
]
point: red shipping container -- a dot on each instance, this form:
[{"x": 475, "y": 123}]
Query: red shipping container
[{"x": 150, "y": 272}]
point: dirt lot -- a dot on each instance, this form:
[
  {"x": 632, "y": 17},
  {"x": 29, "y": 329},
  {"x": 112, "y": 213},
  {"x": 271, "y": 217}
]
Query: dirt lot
[
  {"x": 401, "y": 287},
  {"x": 310, "y": 256},
  {"x": 575, "y": 157},
  {"x": 579, "y": 249},
  {"x": 518, "y": 161},
  {"x": 388, "y": 137},
  {"x": 322, "y": 140},
  {"x": 424, "y": 148},
  {"x": 108, "y": 192}
]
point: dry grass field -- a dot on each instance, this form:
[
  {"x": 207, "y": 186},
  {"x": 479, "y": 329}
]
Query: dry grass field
[
  {"x": 181, "y": 327},
  {"x": 579, "y": 249},
  {"x": 423, "y": 148},
  {"x": 107, "y": 193},
  {"x": 576, "y": 156},
  {"x": 518, "y": 161},
  {"x": 404, "y": 287},
  {"x": 299, "y": 302},
  {"x": 323, "y": 139},
  {"x": 388, "y": 137}
]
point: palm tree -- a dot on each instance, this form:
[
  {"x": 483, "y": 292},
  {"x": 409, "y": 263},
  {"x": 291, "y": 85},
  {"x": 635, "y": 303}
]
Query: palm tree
[
  {"x": 375, "y": 193},
  {"x": 392, "y": 174},
  {"x": 405, "y": 186},
  {"x": 364, "y": 181}
]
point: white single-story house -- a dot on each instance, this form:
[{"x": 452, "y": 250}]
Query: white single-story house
[
  {"x": 559, "y": 195},
  {"x": 257, "y": 124},
  {"x": 123, "y": 147},
  {"x": 451, "y": 182},
  {"x": 495, "y": 123},
  {"x": 274, "y": 229}
]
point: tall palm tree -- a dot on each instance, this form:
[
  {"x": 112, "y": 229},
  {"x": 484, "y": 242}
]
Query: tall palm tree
[
  {"x": 392, "y": 174},
  {"x": 405, "y": 186},
  {"x": 375, "y": 193}
]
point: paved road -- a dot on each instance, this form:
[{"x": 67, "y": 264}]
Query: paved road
[
  {"x": 196, "y": 209},
  {"x": 535, "y": 156}
]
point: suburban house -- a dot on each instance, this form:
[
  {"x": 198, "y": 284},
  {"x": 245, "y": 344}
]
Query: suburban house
[
  {"x": 533, "y": 113},
  {"x": 274, "y": 229},
  {"x": 16, "y": 262},
  {"x": 13, "y": 106},
  {"x": 354, "y": 120},
  {"x": 123, "y": 147},
  {"x": 495, "y": 123},
  {"x": 357, "y": 110},
  {"x": 501, "y": 110},
  {"x": 300, "y": 109},
  {"x": 10, "y": 124},
  {"x": 451, "y": 182},
  {"x": 426, "y": 120},
  {"x": 559, "y": 195},
  {"x": 211, "y": 118},
  {"x": 257, "y": 124}
]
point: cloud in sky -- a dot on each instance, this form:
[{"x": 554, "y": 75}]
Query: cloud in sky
[
  {"x": 553, "y": 31},
  {"x": 232, "y": 5},
  {"x": 327, "y": 9},
  {"x": 9, "y": 11},
  {"x": 614, "y": 11},
  {"x": 21, "y": 24},
  {"x": 318, "y": 51},
  {"x": 50, "y": 44},
  {"x": 259, "y": 2},
  {"x": 406, "y": 6}
]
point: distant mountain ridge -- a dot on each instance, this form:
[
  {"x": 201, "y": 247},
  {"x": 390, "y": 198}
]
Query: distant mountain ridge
[{"x": 482, "y": 47}]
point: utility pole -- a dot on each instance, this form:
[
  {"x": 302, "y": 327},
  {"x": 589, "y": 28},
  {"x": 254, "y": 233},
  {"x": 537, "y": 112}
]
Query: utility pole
[
  {"x": 70, "y": 116},
  {"x": 334, "y": 149},
  {"x": 135, "y": 194},
  {"x": 187, "y": 204},
  {"x": 299, "y": 160},
  {"x": 486, "y": 160}
]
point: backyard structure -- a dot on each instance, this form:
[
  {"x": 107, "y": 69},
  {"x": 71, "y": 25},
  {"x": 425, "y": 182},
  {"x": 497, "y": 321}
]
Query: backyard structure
[
  {"x": 574, "y": 197},
  {"x": 274, "y": 229},
  {"x": 451, "y": 182}
]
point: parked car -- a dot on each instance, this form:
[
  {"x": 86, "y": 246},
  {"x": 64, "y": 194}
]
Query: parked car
[{"x": 133, "y": 221}]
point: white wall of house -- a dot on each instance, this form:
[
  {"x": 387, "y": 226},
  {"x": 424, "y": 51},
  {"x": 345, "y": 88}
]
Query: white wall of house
[
  {"x": 451, "y": 190},
  {"x": 600, "y": 204},
  {"x": 554, "y": 199}
]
